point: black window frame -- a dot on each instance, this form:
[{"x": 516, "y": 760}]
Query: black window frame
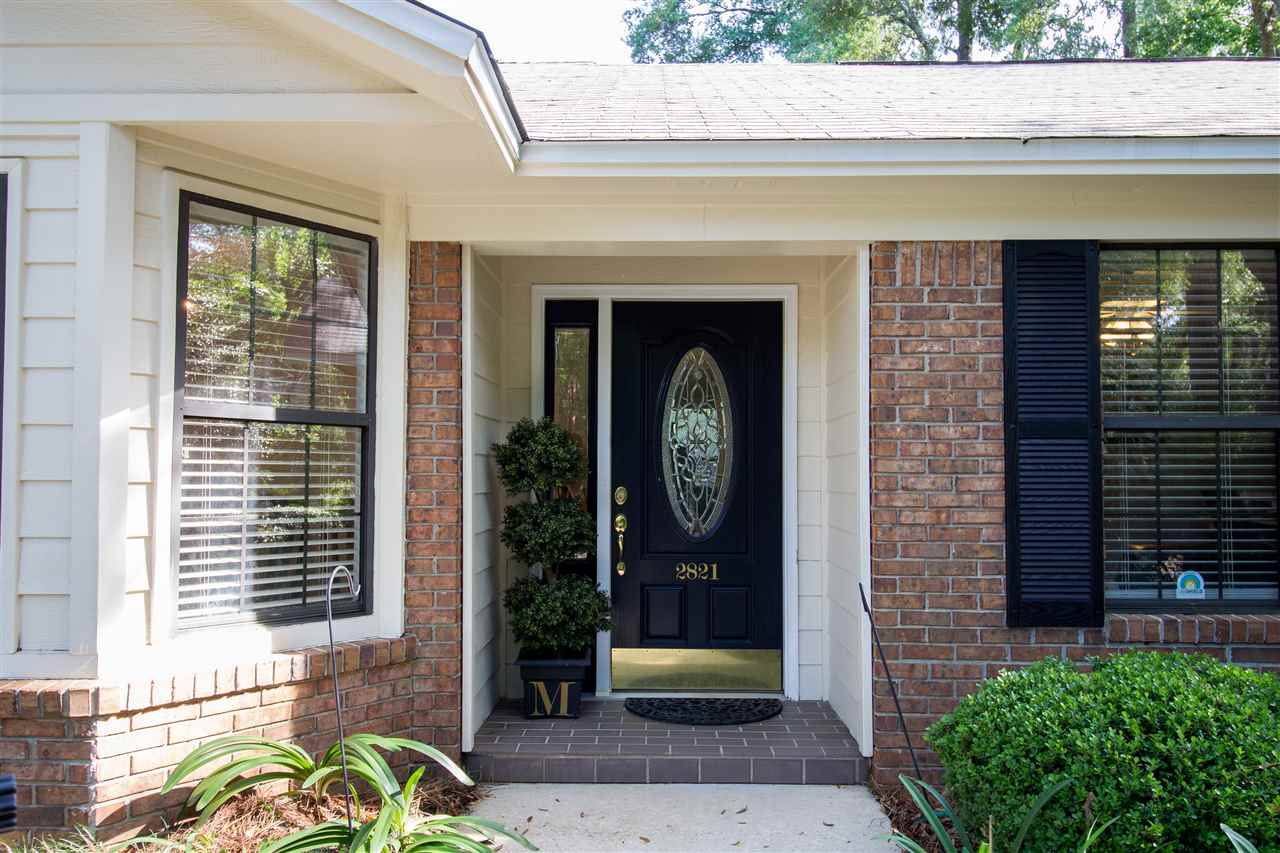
[
  {"x": 362, "y": 605},
  {"x": 575, "y": 314},
  {"x": 1157, "y": 424}
]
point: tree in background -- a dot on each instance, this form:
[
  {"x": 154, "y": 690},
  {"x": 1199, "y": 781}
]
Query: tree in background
[{"x": 838, "y": 30}]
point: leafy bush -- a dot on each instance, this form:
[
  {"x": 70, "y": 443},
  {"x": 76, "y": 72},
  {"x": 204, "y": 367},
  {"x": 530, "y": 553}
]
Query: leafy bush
[
  {"x": 540, "y": 457},
  {"x": 556, "y": 618},
  {"x": 547, "y": 534},
  {"x": 1171, "y": 744},
  {"x": 256, "y": 761},
  {"x": 399, "y": 828},
  {"x": 942, "y": 814}
]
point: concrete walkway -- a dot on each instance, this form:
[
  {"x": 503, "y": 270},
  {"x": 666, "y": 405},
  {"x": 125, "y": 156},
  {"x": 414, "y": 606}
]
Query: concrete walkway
[{"x": 689, "y": 818}]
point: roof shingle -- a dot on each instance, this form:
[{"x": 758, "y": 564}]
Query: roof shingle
[{"x": 578, "y": 101}]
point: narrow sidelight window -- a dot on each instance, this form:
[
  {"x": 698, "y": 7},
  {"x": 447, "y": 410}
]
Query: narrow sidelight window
[
  {"x": 275, "y": 375},
  {"x": 1190, "y": 379},
  {"x": 570, "y": 379}
]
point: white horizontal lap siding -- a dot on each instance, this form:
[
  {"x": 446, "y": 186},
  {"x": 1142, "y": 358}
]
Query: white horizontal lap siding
[
  {"x": 144, "y": 372},
  {"x": 137, "y": 46},
  {"x": 809, "y": 483},
  {"x": 486, "y": 427},
  {"x": 847, "y": 634},
  {"x": 46, "y": 401}
]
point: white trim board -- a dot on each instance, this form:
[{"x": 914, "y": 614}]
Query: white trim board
[
  {"x": 12, "y": 320},
  {"x": 814, "y": 158},
  {"x": 606, "y": 295},
  {"x": 469, "y": 727},
  {"x": 170, "y": 647}
]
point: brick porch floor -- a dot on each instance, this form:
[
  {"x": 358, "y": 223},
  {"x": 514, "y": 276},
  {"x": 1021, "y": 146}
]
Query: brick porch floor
[{"x": 805, "y": 744}]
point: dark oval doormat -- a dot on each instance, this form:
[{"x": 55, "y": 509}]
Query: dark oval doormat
[{"x": 706, "y": 712}]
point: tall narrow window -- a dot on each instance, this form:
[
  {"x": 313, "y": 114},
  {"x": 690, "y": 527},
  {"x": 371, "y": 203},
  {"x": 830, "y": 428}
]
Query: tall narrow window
[
  {"x": 1190, "y": 377},
  {"x": 570, "y": 380},
  {"x": 275, "y": 414}
]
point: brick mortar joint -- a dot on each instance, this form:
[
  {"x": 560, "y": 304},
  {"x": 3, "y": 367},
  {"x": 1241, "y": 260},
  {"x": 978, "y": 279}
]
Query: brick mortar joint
[{"x": 90, "y": 698}]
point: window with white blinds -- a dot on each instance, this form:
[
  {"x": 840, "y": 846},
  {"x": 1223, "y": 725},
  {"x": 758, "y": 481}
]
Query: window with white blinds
[
  {"x": 275, "y": 415},
  {"x": 1190, "y": 377}
]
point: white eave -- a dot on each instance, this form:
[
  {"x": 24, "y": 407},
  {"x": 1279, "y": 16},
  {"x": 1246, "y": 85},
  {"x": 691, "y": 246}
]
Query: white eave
[
  {"x": 818, "y": 158},
  {"x": 437, "y": 58}
]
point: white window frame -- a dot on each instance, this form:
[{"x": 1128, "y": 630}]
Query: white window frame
[
  {"x": 190, "y": 645},
  {"x": 13, "y": 167}
]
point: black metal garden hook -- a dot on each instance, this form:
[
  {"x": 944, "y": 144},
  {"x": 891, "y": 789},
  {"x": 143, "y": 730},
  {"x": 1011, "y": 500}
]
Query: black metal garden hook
[{"x": 354, "y": 586}]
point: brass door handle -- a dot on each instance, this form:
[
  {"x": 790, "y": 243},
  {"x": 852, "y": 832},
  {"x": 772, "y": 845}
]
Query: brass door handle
[{"x": 620, "y": 527}]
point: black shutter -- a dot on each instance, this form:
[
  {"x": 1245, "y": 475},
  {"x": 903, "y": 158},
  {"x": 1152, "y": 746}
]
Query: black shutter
[{"x": 1052, "y": 439}]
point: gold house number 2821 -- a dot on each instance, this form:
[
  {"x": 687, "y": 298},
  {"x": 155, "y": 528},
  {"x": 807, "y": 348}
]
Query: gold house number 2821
[{"x": 697, "y": 571}]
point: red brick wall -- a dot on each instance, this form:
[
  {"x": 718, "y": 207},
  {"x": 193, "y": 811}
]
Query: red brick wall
[
  {"x": 433, "y": 531},
  {"x": 937, "y": 535},
  {"x": 97, "y": 755}
]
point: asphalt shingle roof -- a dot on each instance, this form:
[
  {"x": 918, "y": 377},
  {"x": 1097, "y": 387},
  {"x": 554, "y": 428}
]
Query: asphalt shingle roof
[{"x": 578, "y": 101}]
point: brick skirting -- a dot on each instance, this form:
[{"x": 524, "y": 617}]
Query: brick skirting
[
  {"x": 938, "y": 534},
  {"x": 96, "y": 754}
]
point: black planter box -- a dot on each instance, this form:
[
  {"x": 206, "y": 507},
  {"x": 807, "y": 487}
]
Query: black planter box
[{"x": 553, "y": 687}]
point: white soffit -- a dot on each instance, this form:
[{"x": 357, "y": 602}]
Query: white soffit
[{"x": 438, "y": 58}]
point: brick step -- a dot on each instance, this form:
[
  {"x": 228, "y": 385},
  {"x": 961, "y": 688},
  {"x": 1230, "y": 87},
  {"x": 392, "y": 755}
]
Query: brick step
[
  {"x": 806, "y": 744},
  {"x": 666, "y": 769}
]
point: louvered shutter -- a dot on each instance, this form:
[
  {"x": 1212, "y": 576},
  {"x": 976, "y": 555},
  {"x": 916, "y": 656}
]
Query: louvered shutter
[{"x": 1052, "y": 441}]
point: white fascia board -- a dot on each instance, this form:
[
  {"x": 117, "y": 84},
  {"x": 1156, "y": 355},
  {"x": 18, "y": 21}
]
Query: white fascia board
[
  {"x": 438, "y": 58},
  {"x": 487, "y": 90},
  {"x": 237, "y": 108},
  {"x": 818, "y": 158},
  {"x": 373, "y": 36},
  {"x": 465, "y": 45}
]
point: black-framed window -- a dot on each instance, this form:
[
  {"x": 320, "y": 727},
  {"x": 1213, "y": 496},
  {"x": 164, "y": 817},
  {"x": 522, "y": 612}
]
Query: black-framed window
[
  {"x": 274, "y": 415},
  {"x": 1190, "y": 393},
  {"x": 570, "y": 349}
]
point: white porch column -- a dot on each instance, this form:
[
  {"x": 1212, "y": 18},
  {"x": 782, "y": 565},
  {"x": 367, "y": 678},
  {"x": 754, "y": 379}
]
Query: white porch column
[{"x": 100, "y": 477}]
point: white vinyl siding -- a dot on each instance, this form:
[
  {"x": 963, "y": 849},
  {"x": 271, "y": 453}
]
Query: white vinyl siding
[
  {"x": 139, "y": 46},
  {"x": 847, "y": 633},
  {"x": 486, "y": 427},
  {"x": 45, "y": 332}
]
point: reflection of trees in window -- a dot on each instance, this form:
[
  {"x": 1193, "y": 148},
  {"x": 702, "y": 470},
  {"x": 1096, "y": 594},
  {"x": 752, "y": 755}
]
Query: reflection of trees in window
[
  {"x": 572, "y": 391},
  {"x": 276, "y": 337},
  {"x": 1190, "y": 395}
]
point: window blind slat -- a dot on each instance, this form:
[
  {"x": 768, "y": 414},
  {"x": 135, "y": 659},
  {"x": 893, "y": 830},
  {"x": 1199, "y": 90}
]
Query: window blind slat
[{"x": 1185, "y": 334}]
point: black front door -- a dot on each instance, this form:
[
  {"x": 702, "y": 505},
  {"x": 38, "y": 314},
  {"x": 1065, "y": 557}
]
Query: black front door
[{"x": 696, "y": 498}]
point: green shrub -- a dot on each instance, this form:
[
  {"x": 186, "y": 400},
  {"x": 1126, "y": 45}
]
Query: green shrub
[
  {"x": 540, "y": 457},
  {"x": 547, "y": 534},
  {"x": 1171, "y": 744},
  {"x": 556, "y": 618}
]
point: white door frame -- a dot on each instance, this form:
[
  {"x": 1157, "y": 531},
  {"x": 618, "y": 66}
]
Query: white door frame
[{"x": 606, "y": 295}]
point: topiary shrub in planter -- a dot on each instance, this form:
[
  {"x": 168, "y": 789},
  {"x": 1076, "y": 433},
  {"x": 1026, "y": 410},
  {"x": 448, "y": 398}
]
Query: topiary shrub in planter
[
  {"x": 554, "y": 617},
  {"x": 1172, "y": 745}
]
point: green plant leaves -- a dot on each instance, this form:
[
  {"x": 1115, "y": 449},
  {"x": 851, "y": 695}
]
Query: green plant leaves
[
  {"x": 561, "y": 616},
  {"x": 1169, "y": 745},
  {"x": 539, "y": 457},
  {"x": 548, "y": 533}
]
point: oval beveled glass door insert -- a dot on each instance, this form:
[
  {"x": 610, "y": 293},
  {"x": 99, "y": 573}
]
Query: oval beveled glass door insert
[{"x": 697, "y": 443}]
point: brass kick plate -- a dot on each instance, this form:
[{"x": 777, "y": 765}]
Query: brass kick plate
[{"x": 757, "y": 670}]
